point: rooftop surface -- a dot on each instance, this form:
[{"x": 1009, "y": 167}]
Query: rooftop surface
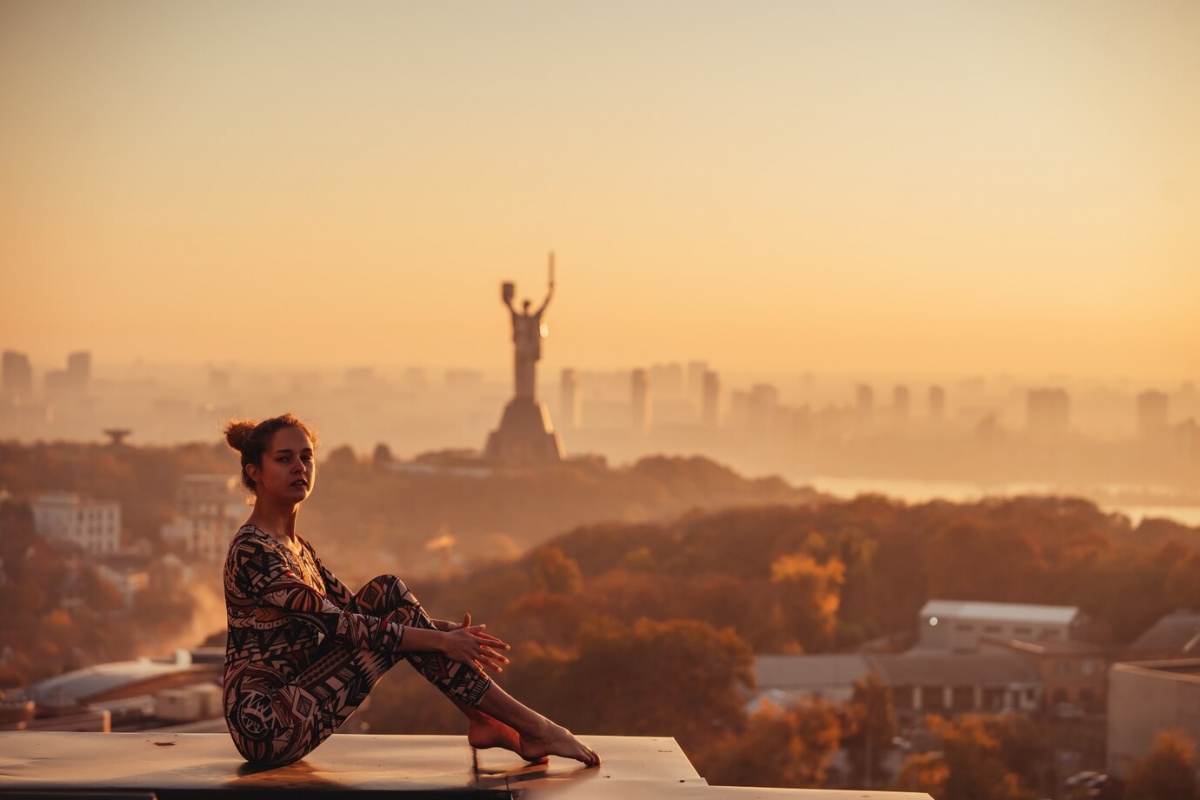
[
  {"x": 1025, "y": 612},
  {"x": 197, "y": 766}
]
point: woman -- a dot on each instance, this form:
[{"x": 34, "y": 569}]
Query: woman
[{"x": 303, "y": 651}]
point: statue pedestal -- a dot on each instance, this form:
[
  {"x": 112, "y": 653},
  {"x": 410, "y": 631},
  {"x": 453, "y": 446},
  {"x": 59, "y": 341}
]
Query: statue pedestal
[{"x": 525, "y": 435}]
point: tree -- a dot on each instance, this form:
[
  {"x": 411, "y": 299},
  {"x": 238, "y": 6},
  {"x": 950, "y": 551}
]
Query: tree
[
  {"x": 676, "y": 678},
  {"x": 975, "y": 769},
  {"x": 805, "y": 596},
  {"x": 555, "y": 572},
  {"x": 923, "y": 772},
  {"x": 784, "y": 747},
  {"x": 1168, "y": 772},
  {"x": 872, "y": 721}
]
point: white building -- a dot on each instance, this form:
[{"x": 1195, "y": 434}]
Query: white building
[
  {"x": 93, "y": 525},
  {"x": 957, "y": 626},
  {"x": 1145, "y": 698},
  {"x": 211, "y": 508}
]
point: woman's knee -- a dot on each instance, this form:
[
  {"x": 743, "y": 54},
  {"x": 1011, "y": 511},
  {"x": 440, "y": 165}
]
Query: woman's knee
[{"x": 384, "y": 590}]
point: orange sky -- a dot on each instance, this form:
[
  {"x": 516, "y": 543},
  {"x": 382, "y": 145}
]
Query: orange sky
[{"x": 930, "y": 187}]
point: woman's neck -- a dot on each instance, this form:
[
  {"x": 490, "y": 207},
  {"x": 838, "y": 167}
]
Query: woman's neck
[{"x": 275, "y": 521}]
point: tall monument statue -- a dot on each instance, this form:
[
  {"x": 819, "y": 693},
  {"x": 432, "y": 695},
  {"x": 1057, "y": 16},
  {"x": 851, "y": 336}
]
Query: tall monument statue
[
  {"x": 528, "y": 330},
  {"x": 525, "y": 436}
]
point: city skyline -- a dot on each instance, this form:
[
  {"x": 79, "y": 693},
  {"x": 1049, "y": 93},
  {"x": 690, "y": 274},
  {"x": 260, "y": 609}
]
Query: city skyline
[{"x": 832, "y": 187}]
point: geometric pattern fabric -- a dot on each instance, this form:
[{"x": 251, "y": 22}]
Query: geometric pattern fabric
[{"x": 303, "y": 652}]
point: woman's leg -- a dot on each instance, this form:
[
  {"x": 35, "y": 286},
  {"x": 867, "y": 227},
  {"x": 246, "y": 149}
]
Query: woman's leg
[
  {"x": 495, "y": 718},
  {"x": 539, "y": 736}
]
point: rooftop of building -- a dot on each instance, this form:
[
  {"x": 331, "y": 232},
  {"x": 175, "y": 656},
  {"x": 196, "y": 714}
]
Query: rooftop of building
[
  {"x": 808, "y": 671},
  {"x": 116, "y": 680},
  {"x": 1184, "y": 669},
  {"x": 939, "y": 668},
  {"x": 172, "y": 766},
  {"x": 1045, "y": 648},
  {"x": 1001, "y": 612},
  {"x": 1177, "y": 632}
]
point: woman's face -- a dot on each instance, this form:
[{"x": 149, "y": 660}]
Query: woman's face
[{"x": 289, "y": 468}]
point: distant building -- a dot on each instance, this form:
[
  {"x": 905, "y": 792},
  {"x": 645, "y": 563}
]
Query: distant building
[
  {"x": 1047, "y": 412},
  {"x": 103, "y": 687},
  {"x": 787, "y": 679},
  {"x": 219, "y": 380},
  {"x": 667, "y": 379},
  {"x": 1147, "y": 697},
  {"x": 710, "y": 407},
  {"x": 16, "y": 376},
  {"x": 361, "y": 379},
  {"x": 93, "y": 525},
  {"x": 900, "y": 402},
  {"x": 925, "y": 682},
  {"x": 696, "y": 371},
  {"x": 1176, "y": 635},
  {"x": 760, "y": 411},
  {"x": 1073, "y": 674},
  {"x": 464, "y": 381},
  {"x": 958, "y": 626},
  {"x": 210, "y": 508},
  {"x": 640, "y": 398},
  {"x": 937, "y": 403},
  {"x": 864, "y": 399},
  {"x": 1152, "y": 415},
  {"x": 570, "y": 394},
  {"x": 79, "y": 372}
]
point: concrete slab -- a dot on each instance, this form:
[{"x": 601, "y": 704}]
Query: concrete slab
[{"x": 194, "y": 766}]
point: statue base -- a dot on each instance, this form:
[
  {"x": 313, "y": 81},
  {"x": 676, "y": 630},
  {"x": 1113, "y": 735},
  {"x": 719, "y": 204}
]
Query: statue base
[{"x": 525, "y": 436}]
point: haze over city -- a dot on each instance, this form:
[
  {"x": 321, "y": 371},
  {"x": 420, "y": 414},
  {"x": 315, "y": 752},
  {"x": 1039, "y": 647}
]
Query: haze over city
[{"x": 929, "y": 189}]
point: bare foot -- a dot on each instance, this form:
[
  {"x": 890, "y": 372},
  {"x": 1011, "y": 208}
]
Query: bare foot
[
  {"x": 555, "y": 740},
  {"x": 484, "y": 732}
]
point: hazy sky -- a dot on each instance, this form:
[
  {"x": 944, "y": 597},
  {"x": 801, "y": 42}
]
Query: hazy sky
[{"x": 934, "y": 187}]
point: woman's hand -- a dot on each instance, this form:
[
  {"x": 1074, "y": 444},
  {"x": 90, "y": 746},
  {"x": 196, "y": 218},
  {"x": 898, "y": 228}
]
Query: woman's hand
[{"x": 468, "y": 644}]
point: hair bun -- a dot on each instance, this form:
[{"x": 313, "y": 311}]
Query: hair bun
[{"x": 238, "y": 432}]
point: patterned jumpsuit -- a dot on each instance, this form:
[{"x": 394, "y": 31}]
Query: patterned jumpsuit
[{"x": 303, "y": 652}]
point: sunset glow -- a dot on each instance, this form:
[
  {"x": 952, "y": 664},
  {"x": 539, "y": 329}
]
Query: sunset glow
[{"x": 932, "y": 187}]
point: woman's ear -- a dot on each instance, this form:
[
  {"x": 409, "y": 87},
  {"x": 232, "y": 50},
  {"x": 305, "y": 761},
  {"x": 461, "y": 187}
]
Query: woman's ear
[{"x": 252, "y": 471}]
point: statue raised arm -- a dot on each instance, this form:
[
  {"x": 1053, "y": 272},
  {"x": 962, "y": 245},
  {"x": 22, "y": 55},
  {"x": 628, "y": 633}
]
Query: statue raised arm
[{"x": 549, "y": 291}]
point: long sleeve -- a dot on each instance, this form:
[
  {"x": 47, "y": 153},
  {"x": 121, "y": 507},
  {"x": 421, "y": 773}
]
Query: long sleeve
[{"x": 264, "y": 579}]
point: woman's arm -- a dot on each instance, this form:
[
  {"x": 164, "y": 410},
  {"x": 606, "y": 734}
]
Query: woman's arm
[{"x": 265, "y": 578}]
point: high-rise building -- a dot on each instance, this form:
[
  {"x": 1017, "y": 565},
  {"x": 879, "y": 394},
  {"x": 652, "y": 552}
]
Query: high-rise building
[
  {"x": 667, "y": 379},
  {"x": 571, "y": 398},
  {"x": 760, "y": 411},
  {"x": 864, "y": 405},
  {"x": 1047, "y": 412},
  {"x": 695, "y": 379},
  {"x": 710, "y": 407},
  {"x": 1152, "y": 414},
  {"x": 16, "y": 376},
  {"x": 640, "y": 396},
  {"x": 937, "y": 403},
  {"x": 79, "y": 372}
]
